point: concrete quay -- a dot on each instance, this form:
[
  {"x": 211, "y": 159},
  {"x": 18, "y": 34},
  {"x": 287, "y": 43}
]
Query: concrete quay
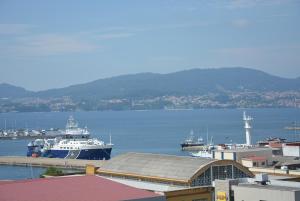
[{"x": 48, "y": 162}]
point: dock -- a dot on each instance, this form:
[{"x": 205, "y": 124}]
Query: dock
[{"x": 48, "y": 162}]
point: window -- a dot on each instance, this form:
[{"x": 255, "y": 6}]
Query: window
[
  {"x": 237, "y": 173},
  {"x": 204, "y": 179},
  {"x": 222, "y": 172}
]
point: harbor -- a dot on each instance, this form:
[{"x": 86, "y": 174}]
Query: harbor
[
  {"x": 220, "y": 166},
  {"x": 150, "y": 100},
  {"x": 273, "y": 155}
]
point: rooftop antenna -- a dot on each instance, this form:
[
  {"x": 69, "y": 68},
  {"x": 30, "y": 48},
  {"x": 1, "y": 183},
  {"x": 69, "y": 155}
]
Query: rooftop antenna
[{"x": 248, "y": 127}]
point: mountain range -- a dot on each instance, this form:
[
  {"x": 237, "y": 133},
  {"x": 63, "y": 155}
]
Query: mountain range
[{"x": 182, "y": 83}]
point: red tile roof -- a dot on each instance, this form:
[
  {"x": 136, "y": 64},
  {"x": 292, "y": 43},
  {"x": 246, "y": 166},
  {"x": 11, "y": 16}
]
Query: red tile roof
[
  {"x": 275, "y": 145},
  {"x": 73, "y": 188}
]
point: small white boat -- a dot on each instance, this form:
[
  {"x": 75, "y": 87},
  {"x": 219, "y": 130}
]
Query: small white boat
[{"x": 202, "y": 154}]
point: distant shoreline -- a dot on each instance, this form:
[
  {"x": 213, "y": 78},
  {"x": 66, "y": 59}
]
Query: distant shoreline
[{"x": 145, "y": 110}]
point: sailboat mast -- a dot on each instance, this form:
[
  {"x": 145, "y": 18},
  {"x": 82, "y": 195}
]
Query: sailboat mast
[{"x": 206, "y": 135}]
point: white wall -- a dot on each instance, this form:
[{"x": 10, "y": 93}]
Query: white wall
[
  {"x": 291, "y": 150},
  {"x": 242, "y": 193}
]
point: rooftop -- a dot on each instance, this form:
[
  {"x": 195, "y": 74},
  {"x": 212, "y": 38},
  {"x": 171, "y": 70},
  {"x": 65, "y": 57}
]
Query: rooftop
[
  {"x": 156, "y": 165},
  {"x": 255, "y": 158},
  {"x": 286, "y": 160},
  {"x": 245, "y": 150},
  {"x": 271, "y": 187},
  {"x": 71, "y": 188},
  {"x": 179, "y": 170},
  {"x": 292, "y": 144}
]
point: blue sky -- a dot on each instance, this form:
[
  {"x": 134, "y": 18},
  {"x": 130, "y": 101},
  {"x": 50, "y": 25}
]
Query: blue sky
[{"x": 52, "y": 44}]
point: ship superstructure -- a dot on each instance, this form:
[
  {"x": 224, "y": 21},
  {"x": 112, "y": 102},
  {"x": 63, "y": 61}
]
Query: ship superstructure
[{"x": 191, "y": 141}]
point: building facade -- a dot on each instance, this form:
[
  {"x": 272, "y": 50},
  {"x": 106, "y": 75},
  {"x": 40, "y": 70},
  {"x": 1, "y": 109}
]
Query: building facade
[
  {"x": 291, "y": 149},
  {"x": 257, "y": 192},
  {"x": 239, "y": 154}
]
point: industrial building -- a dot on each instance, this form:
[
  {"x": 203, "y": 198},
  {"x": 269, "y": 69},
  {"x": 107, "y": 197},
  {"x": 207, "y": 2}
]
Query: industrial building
[
  {"x": 178, "y": 177},
  {"x": 239, "y": 153},
  {"x": 255, "y": 161},
  {"x": 251, "y": 192},
  {"x": 260, "y": 188},
  {"x": 170, "y": 169}
]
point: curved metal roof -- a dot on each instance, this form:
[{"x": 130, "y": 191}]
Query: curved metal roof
[{"x": 160, "y": 166}]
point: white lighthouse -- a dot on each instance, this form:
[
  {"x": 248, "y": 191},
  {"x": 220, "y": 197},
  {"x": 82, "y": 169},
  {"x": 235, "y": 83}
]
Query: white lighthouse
[{"x": 247, "y": 120}]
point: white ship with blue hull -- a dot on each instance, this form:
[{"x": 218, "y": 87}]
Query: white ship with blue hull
[{"x": 76, "y": 144}]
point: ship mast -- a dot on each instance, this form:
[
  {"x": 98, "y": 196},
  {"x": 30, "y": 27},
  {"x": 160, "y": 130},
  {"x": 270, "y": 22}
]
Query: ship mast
[{"x": 248, "y": 127}]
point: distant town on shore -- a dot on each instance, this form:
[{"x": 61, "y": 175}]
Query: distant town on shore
[{"x": 190, "y": 89}]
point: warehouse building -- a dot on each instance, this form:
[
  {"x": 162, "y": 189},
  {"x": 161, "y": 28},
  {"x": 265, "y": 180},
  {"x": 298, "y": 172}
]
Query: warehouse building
[
  {"x": 178, "y": 177},
  {"x": 174, "y": 170}
]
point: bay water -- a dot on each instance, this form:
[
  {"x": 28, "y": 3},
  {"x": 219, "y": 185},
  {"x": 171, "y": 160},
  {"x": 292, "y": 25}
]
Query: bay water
[{"x": 155, "y": 131}]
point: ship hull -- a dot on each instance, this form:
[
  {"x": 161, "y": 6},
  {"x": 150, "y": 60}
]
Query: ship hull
[
  {"x": 87, "y": 154},
  {"x": 184, "y": 145}
]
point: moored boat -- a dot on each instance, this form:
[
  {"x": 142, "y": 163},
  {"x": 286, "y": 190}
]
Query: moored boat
[
  {"x": 192, "y": 142},
  {"x": 75, "y": 144}
]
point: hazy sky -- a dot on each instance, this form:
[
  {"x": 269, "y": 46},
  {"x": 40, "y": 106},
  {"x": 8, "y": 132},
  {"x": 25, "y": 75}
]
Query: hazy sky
[{"x": 50, "y": 44}]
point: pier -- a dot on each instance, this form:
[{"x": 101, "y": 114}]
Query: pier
[{"x": 48, "y": 162}]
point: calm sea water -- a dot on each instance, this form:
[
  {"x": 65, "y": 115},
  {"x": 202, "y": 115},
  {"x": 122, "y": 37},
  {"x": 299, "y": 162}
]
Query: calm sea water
[{"x": 155, "y": 131}]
